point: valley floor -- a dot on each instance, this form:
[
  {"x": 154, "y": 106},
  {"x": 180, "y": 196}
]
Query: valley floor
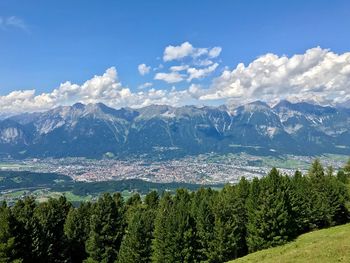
[{"x": 322, "y": 246}]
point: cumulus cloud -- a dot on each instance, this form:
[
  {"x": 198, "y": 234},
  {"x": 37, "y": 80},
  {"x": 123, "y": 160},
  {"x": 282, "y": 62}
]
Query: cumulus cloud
[
  {"x": 199, "y": 62},
  {"x": 143, "y": 69},
  {"x": 99, "y": 88},
  {"x": 195, "y": 73},
  {"x": 177, "y": 52},
  {"x": 318, "y": 75},
  {"x": 186, "y": 49},
  {"x": 105, "y": 88},
  {"x": 12, "y": 22},
  {"x": 172, "y": 77}
]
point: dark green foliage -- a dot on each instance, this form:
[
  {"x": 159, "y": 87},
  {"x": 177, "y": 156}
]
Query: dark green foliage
[
  {"x": 316, "y": 172},
  {"x": 202, "y": 226},
  {"x": 77, "y": 230},
  {"x": 152, "y": 199},
  {"x": 136, "y": 246},
  {"x": 134, "y": 200},
  {"x": 7, "y": 240},
  {"x": 229, "y": 210},
  {"x": 25, "y": 179},
  {"x": 162, "y": 236},
  {"x": 203, "y": 211},
  {"x": 269, "y": 222},
  {"x": 175, "y": 234},
  {"x": 131, "y": 204},
  {"x": 27, "y": 231},
  {"x": 336, "y": 195},
  {"x": 300, "y": 202},
  {"x": 106, "y": 231},
  {"x": 328, "y": 197},
  {"x": 52, "y": 243},
  {"x": 243, "y": 191},
  {"x": 342, "y": 177}
]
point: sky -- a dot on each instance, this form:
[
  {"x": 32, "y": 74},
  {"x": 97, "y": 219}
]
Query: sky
[{"x": 136, "y": 53}]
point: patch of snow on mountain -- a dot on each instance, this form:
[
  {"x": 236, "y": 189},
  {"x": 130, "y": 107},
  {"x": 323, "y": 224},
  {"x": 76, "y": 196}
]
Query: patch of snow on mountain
[
  {"x": 293, "y": 129},
  {"x": 9, "y": 135}
]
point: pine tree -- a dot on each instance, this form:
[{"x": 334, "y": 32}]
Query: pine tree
[
  {"x": 203, "y": 212},
  {"x": 336, "y": 195},
  {"x": 51, "y": 215},
  {"x": 174, "y": 234},
  {"x": 183, "y": 228},
  {"x": 132, "y": 204},
  {"x": 243, "y": 191},
  {"x": 319, "y": 206},
  {"x": 162, "y": 236},
  {"x": 106, "y": 231},
  {"x": 134, "y": 200},
  {"x": 299, "y": 196},
  {"x": 228, "y": 233},
  {"x": 77, "y": 229},
  {"x": 270, "y": 220},
  {"x": 136, "y": 245},
  {"x": 27, "y": 230},
  {"x": 253, "y": 203},
  {"x": 152, "y": 200},
  {"x": 316, "y": 172},
  {"x": 7, "y": 239}
]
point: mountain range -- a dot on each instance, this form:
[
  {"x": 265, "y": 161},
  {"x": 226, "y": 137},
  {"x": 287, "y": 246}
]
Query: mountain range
[{"x": 96, "y": 130}]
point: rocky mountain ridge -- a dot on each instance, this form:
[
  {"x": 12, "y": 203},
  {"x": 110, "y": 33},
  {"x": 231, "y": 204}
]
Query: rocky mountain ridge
[{"x": 93, "y": 130}]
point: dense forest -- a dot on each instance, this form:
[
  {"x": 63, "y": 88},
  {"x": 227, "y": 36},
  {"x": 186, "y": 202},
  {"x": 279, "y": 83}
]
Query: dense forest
[{"x": 198, "y": 226}]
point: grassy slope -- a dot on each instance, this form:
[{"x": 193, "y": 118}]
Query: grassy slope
[{"x": 327, "y": 245}]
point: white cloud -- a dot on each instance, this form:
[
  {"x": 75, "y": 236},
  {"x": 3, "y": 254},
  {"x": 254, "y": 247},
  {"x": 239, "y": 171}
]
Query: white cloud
[
  {"x": 143, "y": 69},
  {"x": 172, "y": 77},
  {"x": 203, "y": 62},
  {"x": 186, "y": 49},
  {"x": 196, "y": 57},
  {"x": 179, "y": 68},
  {"x": 177, "y": 52},
  {"x": 198, "y": 52},
  {"x": 145, "y": 85},
  {"x": 215, "y": 52},
  {"x": 318, "y": 74},
  {"x": 195, "y": 73},
  {"x": 12, "y": 21},
  {"x": 105, "y": 88}
]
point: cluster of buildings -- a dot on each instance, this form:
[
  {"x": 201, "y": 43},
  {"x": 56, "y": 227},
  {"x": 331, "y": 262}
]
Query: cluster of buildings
[{"x": 204, "y": 169}]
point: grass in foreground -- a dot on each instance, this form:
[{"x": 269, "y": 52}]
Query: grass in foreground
[{"x": 322, "y": 246}]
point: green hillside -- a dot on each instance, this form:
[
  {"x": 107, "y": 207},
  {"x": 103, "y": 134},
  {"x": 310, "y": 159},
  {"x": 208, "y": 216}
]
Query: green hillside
[{"x": 327, "y": 245}]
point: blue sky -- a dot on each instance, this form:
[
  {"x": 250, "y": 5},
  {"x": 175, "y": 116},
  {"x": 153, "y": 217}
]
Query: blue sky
[{"x": 45, "y": 43}]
